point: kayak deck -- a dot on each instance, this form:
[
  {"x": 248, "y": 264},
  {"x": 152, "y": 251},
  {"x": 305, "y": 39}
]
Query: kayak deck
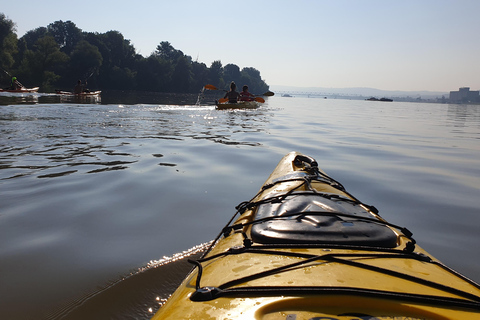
[{"x": 305, "y": 248}]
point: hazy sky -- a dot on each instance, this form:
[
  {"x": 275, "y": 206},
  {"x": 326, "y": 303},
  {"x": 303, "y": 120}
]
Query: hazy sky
[{"x": 385, "y": 44}]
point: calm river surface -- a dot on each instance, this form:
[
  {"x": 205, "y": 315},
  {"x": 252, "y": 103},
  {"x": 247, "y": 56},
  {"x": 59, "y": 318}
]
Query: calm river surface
[{"x": 101, "y": 203}]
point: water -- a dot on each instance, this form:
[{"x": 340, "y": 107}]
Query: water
[{"x": 100, "y": 204}]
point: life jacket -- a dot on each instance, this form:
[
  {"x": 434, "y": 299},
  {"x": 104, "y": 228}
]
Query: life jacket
[{"x": 246, "y": 96}]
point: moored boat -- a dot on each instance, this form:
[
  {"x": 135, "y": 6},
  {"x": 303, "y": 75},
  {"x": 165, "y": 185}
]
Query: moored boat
[
  {"x": 381, "y": 99},
  {"x": 237, "y": 105},
  {"x": 305, "y": 248},
  {"x": 22, "y": 90}
]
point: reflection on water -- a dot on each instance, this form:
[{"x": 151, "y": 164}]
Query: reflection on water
[
  {"x": 8, "y": 98},
  {"x": 55, "y": 140},
  {"x": 461, "y": 115},
  {"x": 112, "y": 97},
  {"x": 136, "y": 296}
]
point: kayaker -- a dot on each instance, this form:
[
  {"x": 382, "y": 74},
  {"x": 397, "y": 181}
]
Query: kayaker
[
  {"x": 79, "y": 87},
  {"x": 245, "y": 95},
  {"x": 15, "y": 85},
  {"x": 232, "y": 95}
]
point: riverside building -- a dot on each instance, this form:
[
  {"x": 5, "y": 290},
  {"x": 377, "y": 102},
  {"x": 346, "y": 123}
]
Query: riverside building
[{"x": 464, "y": 95}]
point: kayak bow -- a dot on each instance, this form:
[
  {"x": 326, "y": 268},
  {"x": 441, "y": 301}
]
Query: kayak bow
[
  {"x": 22, "y": 90},
  {"x": 305, "y": 248}
]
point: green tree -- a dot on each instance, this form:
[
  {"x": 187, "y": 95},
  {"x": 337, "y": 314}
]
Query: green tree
[
  {"x": 66, "y": 34},
  {"x": 8, "y": 42},
  {"x": 153, "y": 74},
  {"x": 251, "y": 77},
  {"x": 182, "y": 78},
  {"x": 84, "y": 60},
  {"x": 119, "y": 57},
  {"x": 215, "y": 74},
  {"x": 40, "y": 63},
  {"x": 167, "y": 52},
  {"x": 200, "y": 75},
  {"x": 30, "y": 38},
  {"x": 231, "y": 72},
  {"x": 26, "y": 43},
  {"x": 61, "y": 54},
  {"x": 120, "y": 52}
]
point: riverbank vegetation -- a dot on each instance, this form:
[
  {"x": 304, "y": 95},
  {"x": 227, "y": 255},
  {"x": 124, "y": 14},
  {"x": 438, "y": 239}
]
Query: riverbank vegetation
[{"x": 57, "y": 56}]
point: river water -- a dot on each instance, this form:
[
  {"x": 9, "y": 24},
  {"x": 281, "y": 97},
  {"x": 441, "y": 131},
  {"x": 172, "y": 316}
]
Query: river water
[{"x": 102, "y": 201}]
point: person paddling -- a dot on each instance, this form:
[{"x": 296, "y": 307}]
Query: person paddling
[
  {"x": 245, "y": 95},
  {"x": 15, "y": 84},
  {"x": 79, "y": 88},
  {"x": 232, "y": 95}
]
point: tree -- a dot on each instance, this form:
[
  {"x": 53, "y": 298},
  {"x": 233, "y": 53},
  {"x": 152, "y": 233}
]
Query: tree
[
  {"x": 215, "y": 74},
  {"x": 39, "y": 64},
  {"x": 200, "y": 75},
  {"x": 84, "y": 60},
  {"x": 251, "y": 77},
  {"x": 8, "y": 42},
  {"x": 166, "y": 51},
  {"x": 153, "y": 74},
  {"x": 27, "y": 42},
  {"x": 119, "y": 59},
  {"x": 32, "y": 36},
  {"x": 61, "y": 54},
  {"x": 231, "y": 72},
  {"x": 182, "y": 75},
  {"x": 66, "y": 34},
  {"x": 120, "y": 52}
]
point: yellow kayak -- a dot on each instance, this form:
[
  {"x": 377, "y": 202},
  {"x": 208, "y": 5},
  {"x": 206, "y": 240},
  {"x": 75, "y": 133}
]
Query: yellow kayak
[
  {"x": 237, "y": 105},
  {"x": 305, "y": 248}
]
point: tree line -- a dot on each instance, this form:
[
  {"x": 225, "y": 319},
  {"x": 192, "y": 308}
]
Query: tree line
[{"x": 57, "y": 56}]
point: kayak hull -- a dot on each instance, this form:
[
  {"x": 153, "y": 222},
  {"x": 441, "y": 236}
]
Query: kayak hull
[
  {"x": 238, "y": 105},
  {"x": 23, "y": 90},
  {"x": 274, "y": 261},
  {"x": 83, "y": 94}
]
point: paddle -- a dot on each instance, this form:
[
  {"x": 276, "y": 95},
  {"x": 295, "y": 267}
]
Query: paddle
[
  {"x": 86, "y": 78},
  {"x": 211, "y": 87},
  {"x": 222, "y": 100}
]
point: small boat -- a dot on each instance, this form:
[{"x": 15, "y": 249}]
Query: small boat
[
  {"x": 237, "y": 105},
  {"x": 305, "y": 248},
  {"x": 22, "y": 90},
  {"x": 381, "y": 99},
  {"x": 83, "y": 94}
]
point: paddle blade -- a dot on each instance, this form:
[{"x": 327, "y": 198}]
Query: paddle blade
[
  {"x": 210, "y": 87},
  {"x": 268, "y": 94},
  {"x": 259, "y": 99},
  {"x": 222, "y": 100}
]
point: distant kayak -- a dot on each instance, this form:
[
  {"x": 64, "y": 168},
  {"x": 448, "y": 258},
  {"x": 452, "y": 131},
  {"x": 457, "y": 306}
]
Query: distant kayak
[
  {"x": 83, "y": 94},
  {"x": 22, "y": 90},
  {"x": 238, "y": 105}
]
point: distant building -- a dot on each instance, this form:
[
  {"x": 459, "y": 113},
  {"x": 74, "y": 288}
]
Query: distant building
[{"x": 464, "y": 95}]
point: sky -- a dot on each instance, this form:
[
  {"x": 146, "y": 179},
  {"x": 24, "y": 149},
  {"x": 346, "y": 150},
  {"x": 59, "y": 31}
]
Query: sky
[{"x": 408, "y": 45}]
